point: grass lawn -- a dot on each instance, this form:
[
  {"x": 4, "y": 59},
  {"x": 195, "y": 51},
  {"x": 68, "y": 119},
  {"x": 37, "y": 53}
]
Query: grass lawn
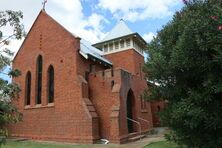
[
  {"x": 41, "y": 144},
  {"x": 31, "y": 144},
  {"x": 161, "y": 144}
]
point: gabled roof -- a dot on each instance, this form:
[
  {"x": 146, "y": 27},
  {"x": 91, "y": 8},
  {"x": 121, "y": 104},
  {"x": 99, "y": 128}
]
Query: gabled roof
[
  {"x": 88, "y": 51},
  {"x": 120, "y": 30},
  {"x": 42, "y": 12}
]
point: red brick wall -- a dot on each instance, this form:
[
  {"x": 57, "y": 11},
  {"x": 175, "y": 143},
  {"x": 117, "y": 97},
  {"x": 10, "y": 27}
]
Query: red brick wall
[
  {"x": 103, "y": 99},
  {"x": 68, "y": 119},
  {"x": 128, "y": 60},
  {"x": 110, "y": 103},
  {"x": 157, "y": 106},
  {"x": 84, "y": 65}
]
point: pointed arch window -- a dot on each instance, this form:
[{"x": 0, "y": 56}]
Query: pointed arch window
[
  {"x": 50, "y": 84},
  {"x": 39, "y": 80},
  {"x": 28, "y": 88}
]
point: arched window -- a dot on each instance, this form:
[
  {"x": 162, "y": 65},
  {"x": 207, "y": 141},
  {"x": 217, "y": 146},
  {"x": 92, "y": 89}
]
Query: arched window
[
  {"x": 50, "y": 84},
  {"x": 39, "y": 80},
  {"x": 28, "y": 88}
]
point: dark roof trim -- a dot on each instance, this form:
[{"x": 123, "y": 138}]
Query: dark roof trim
[
  {"x": 93, "y": 58},
  {"x": 137, "y": 35}
]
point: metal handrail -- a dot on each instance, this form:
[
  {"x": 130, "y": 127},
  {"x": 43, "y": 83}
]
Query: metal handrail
[
  {"x": 144, "y": 120},
  {"x": 138, "y": 123}
]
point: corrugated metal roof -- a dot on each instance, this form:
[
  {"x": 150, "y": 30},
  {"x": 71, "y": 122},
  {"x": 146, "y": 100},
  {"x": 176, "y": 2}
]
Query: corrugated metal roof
[
  {"x": 121, "y": 29},
  {"x": 86, "y": 50}
]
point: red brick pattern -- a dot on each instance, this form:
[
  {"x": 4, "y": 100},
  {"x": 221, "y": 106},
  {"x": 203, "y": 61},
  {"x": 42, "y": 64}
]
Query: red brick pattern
[
  {"x": 128, "y": 60},
  {"x": 155, "y": 108},
  {"x": 68, "y": 119},
  {"x": 111, "y": 102}
]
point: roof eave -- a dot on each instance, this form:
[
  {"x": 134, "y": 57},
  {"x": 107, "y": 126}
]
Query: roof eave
[
  {"x": 132, "y": 34},
  {"x": 114, "y": 39},
  {"x": 99, "y": 60}
]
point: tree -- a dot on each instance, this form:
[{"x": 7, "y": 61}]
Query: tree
[
  {"x": 8, "y": 90},
  {"x": 185, "y": 59}
]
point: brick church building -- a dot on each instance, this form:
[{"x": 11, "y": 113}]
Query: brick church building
[{"x": 77, "y": 92}]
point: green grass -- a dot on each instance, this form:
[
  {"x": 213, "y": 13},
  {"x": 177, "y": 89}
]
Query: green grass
[
  {"x": 161, "y": 144},
  {"x": 32, "y": 144}
]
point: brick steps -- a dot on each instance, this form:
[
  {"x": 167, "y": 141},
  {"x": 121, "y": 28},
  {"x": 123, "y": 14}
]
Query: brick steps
[
  {"x": 134, "y": 134},
  {"x": 135, "y": 138}
]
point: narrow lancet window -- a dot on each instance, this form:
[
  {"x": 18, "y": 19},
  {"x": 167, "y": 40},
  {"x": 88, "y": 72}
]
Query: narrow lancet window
[
  {"x": 28, "y": 88},
  {"x": 50, "y": 84},
  {"x": 39, "y": 80}
]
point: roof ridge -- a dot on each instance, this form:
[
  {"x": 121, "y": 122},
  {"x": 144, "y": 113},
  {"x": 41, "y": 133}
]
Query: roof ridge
[{"x": 119, "y": 30}]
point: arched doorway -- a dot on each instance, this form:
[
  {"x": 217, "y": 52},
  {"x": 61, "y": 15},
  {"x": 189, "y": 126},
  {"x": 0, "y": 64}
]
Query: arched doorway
[{"x": 130, "y": 110}]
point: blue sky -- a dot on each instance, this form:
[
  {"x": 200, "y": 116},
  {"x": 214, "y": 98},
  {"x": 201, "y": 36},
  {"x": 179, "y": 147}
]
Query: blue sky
[
  {"x": 93, "y": 19},
  {"x": 147, "y": 25}
]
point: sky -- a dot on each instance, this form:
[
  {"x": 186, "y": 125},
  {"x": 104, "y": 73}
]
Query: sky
[{"x": 93, "y": 19}]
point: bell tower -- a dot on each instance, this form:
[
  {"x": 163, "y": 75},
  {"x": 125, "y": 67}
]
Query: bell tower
[{"x": 124, "y": 48}]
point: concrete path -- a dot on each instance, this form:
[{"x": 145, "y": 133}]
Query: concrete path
[
  {"x": 158, "y": 136},
  {"x": 136, "y": 144}
]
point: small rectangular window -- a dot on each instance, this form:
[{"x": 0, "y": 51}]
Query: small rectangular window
[
  {"x": 105, "y": 48},
  {"x": 122, "y": 44},
  {"x": 116, "y": 45},
  {"x": 143, "y": 102},
  {"x": 110, "y": 46},
  {"x": 128, "y": 42}
]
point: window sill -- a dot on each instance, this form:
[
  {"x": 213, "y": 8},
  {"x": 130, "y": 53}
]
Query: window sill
[
  {"x": 50, "y": 105},
  {"x": 27, "y": 106},
  {"x": 38, "y": 105},
  {"x": 144, "y": 110}
]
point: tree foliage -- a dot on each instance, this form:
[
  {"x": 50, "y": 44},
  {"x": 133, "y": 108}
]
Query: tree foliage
[
  {"x": 8, "y": 90},
  {"x": 185, "y": 59}
]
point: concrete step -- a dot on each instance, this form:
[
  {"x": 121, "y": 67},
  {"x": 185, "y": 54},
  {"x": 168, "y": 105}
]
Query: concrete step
[
  {"x": 130, "y": 135},
  {"x": 135, "y": 138}
]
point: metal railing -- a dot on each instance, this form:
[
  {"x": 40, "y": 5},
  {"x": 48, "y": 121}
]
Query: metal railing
[
  {"x": 138, "y": 123},
  {"x": 144, "y": 120}
]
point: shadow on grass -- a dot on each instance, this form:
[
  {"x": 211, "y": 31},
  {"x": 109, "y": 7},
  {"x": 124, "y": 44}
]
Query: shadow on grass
[{"x": 163, "y": 144}]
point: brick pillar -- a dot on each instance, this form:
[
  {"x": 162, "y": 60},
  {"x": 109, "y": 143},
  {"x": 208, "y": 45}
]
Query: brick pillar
[{"x": 114, "y": 125}]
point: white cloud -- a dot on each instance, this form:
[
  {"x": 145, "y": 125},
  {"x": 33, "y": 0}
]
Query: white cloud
[
  {"x": 13, "y": 46},
  {"x": 69, "y": 13},
  {"x": 149, "y": 36},
  {"x": 69, "y": 5},
  {"x": 133, "y": 10},
  {"x": 71, "y": 17},
  {"x": 91, "y": 28}
]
